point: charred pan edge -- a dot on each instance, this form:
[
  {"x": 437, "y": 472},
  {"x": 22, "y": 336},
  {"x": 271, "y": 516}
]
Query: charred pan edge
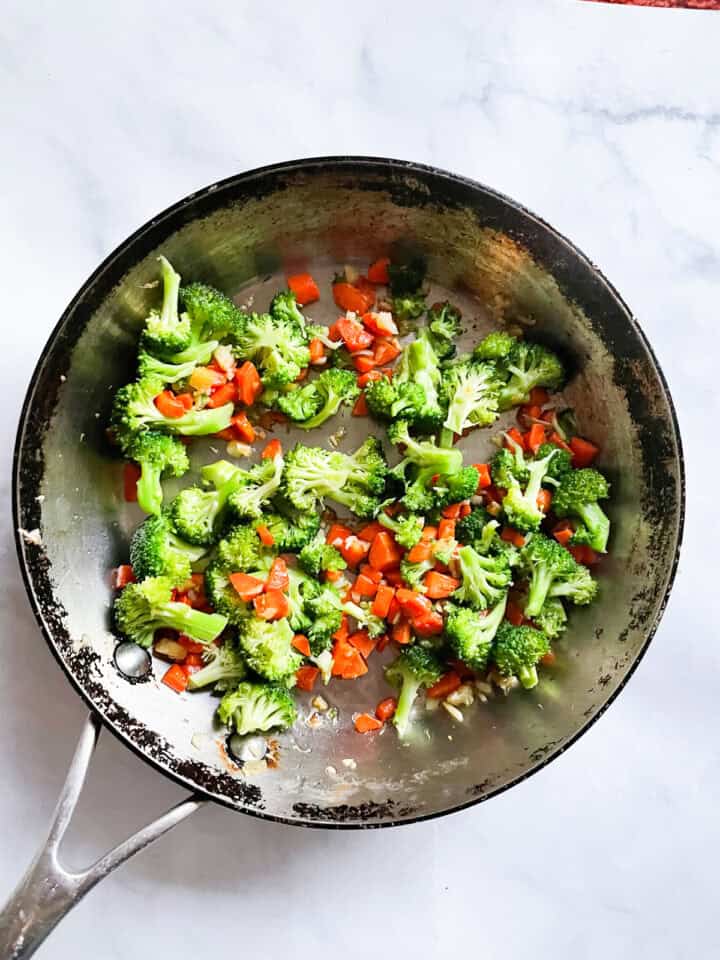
[{"x": 407, "y": 184}]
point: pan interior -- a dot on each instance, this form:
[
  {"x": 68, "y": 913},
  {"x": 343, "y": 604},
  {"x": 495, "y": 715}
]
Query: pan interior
[{"x": 500, "y": 265}]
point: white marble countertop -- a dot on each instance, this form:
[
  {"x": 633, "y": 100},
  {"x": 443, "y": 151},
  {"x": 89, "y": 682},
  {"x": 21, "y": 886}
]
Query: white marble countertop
[{"x": 605, "y": 121}]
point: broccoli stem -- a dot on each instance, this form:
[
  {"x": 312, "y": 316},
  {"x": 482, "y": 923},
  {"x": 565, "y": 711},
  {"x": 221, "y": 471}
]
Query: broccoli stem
[
  {"x": 447, "y": 438},
  {"x": 408, "y": 693},
  {"x": 149, "y": 489},
  {"x": 171, "y": 292},
  {"x": 528, "y": 677},
  {"x": 596, "y": 521},
  {"x": 540, "y": 583},
  {"x": 203, "y": 627}
]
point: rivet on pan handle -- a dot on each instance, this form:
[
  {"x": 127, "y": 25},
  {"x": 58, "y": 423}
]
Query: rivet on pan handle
[{"x": 48, "y": 891}]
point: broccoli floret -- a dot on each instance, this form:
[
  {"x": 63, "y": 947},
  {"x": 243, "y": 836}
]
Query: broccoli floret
[
  {"x": 413, "y": 393},
  {"x": 240, "y": 552},
  {"x": 407, "y": 528},
  {"x": 560, "y": 464},
  {"x": 413, "y": 573},
  {"x": 291, "y": 530},
  {"x": 470, "y": 529},
  {"x": 529, "y": 365},
  {"x": 158, "y": 456},
  {"x": 496, "y": 346},
  {"x": 256, "y": 707},
  {"x": 312, "y": 474},
  {"x": 317, "y": 556},
  {"x": 409, "y": 307},
  {"x": 406, "y": 277},
  {"x": 150, "y": 367},
  {"x": 471, "y": 391},
  {"x": 552, "y": 619},
  {"x": 484, "y": 579},
  {"x": 142, "y": 608},
  {"x": 301, "y": 588},
  {"x": 213, "y": 314},
  {"x": 366, "y": 620},
  {"x": 416, "y": 667},
  {"x": 284, "y": 307},
  {"x": 455, "y": 488},
  {"x": 443, "y": 320},
  {"x": 554, "y": 573},
  {"x": 134, "y": 410},
  {"x": 471, "y": 633},
  {"x": 325, "y": 610},
  {"x": 517, "y": 652},
  {"x": 577, "y": 495},
  {"x": 223, "y": 667},
  {"x": 198, "y": 514},
  {"x": 426, "y": 459},
  {"x": 156, "y": 551},
  {"x": 255, "y": 487},
  {"x": 165, "y": 330},
  {"x": 311, "y": 405},
  {"x": 520, "y": 503},
  {"x": 278, "y": 348},
  {"x": 268, "y": 649}
]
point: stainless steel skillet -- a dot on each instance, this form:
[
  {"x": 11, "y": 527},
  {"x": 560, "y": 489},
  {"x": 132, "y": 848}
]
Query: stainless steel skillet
[{"x": 506, "y": 266}]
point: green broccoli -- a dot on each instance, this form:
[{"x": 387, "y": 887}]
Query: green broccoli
[
  {"x": 560, "y": 464},
  {"x": 407, "y": 528},
  {"x": 142, "y": 608},
  {"x": 471, "y": 633},
  {"x": 410, "y": 306},
  {"x": 443, "y": 325},
  {"x": 484, "y": 579},
  {"x": 254, "y": 488},
  {"x": 416, "y": 667},
  {"x": 456, "y": 487},
  {"x": 471, "y": 391},
  {"x": 470, "y": 529},
  {"x": 157, "y": 551},
  {"x": 257, "y": 707},
  {"x": 553, "y": 572},
  {"x": 198, "y": 514},
  {"x": 278, "y": 348},
  {"x": 284, "y": 307},
  {"x": 166, "y": 332},
  {"x": 318, "y": 556},
  {"x": 268, "y": 649},
  {"x": 423, "y": 460},
  {"x": 366, "y": 619},
  {"x": 552, "y": 619},
  {"x": 134, "y": 410},
  {"x": 311, "y": 405},
  {"x": 213, "y": 314},
  {"x": 324, "y": 608},
  {"x": 407, "y": 277},
  {"x": 529, "y": 365},
  {"x": 577, "y": 495},
  {"x": 517, "y": 652},
  {"x": 413, "y": 573},
  {"x": 291, "y": 530},
  {"x": 413, "y": 393},
  {"x": 312, "y": 474},
  {"x": 497, "y": 345},
  {"x": 240, "y": 552},
  {"x": 158, "y": 455},
  {"x": 520, "y": 503},
  {"x": 150, "y": 367},
  {"x": 224, "y": 666}
]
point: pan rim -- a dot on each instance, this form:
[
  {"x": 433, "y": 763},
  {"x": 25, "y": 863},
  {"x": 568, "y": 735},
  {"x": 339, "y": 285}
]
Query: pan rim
[{"x": 387, "y": 165}]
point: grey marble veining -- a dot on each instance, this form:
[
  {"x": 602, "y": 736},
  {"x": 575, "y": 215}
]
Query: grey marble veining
[{"x": 603, "y": 120}]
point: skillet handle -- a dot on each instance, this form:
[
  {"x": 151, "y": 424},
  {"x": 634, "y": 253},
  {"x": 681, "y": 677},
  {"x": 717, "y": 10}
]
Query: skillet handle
[{"x": 48, "y": 891}]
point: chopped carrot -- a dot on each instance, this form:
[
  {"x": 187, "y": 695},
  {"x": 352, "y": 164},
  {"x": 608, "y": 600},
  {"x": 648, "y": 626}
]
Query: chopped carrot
[
  {"x": 513, "y": 536},
  {"x": 249, "y": 385},
  {"x": 381, "y": 325},
  {"x": 429, "y": 533},
  {"x": 353, "y": 334},
  {"x": 317, "y": 350},
  {"x": 412, "y": 603},
  {"x": 452, "y": 512},
  {"x": 513, "y": 437},
  {"x": 348, "y": 662},
  {"x": 421, "y": 552},
  {"x": 401, "y": 633},
  {"x": 384, "y": 552},
  {"x": 514, "y": 614},
  {"x": 175, "y": 678},
  {"x": 583, "y": 452},
  {"x": 131, "y": 475},
  {"x": 539, "y": 395},
  {"x": 244, "y": 428},
  {"x": 367, "y": 289},
  {"x": 266, "y": 537},
  {"x": 301, "y": 644},
  {"x": 365, "y": 378},
  {"x": 363, "y": 642},
  {"x": 378, "y": 270},
  {"x": 301, "y": 376},
  {"x": 271, "y": 605},
  {"x": 246, "y": 586},
  {"x": 227, "y": 393},
  {"x": 360, "y": 407},
  {"x": 393, "y": 576},
  {"x": 304, "y": 287},
  {"x": 169, "y": 405},
  {"x": 271, "y": 450},
  {"x": 337, "y": 533},
  {"x": 563, "y": 533},
  {"x": 364, "y": 586},
  {"x": 374, "y": 575},
  {"x": 386, "y": 351},
  {"x": 558, "y": 441},
  {"x": 548, "y": 659},
  {"x": 354, "y": 550},
  {"x": 446, "y": 529},
  {"x": 229, "y": 435},
  {"x": 383, "y": 598},
  {"x": 186, "y": 399},
  {"x": 278, "y": 578},
  {"x": 445, "y": 685},
  {"x": 544, "y": 500},
  {"x": 527, "y": 413},
  {"x": 305, "y": 677},
  {"x": 385, "y": 710},
  {"x": 429, "y": 625},
  {"x": 367, "y": 723},
  {"x": 122, "y": 576},
  {"x": 383, "y": 642},
  {"x": 192, "y": 660},
  {"x": 438, "y": 586},
  {"x": 332, "y": 575},
  {"x": 343, "y": 631},
  {"x": 484, "y": 479},
  {"x": 534, "y": 438},
  {"x": 584, "y": 554},
  {"x": 465, "y": 509},
  {"x": 192, "y": 646},
  {"x": 205, "y": 378},
  {"x": 364, "y": 363},
  {"x": 369, "y": 531}
]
